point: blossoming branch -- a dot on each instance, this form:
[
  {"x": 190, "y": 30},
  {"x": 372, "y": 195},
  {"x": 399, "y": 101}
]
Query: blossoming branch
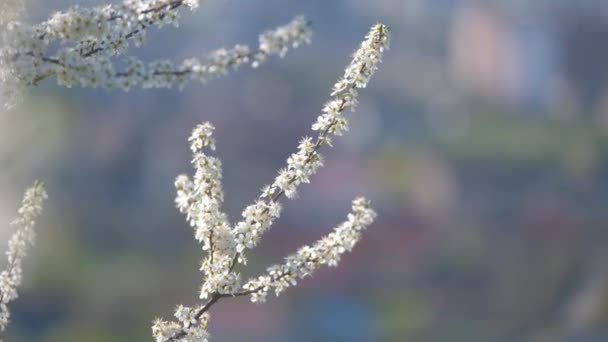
[
  {"x": 81, "y": 46},
  {"x": 91, "y": 39},
  {"x": 84, "y": 35},
  {"x": 163, "y": 74},
  {"x": 22, "y": 239},
  {"x": 201, "y": 199},
  {"x": 258, "y": 216}
]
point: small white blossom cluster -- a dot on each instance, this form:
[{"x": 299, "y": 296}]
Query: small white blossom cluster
[
  {"x": 190, "y": 329},
  {"x": 357, "y": 75},
  {"x": 24, "y": 236},
  {"x": 277, "y": 42},
  {"x": 200, "y": 200},
  {"x": 326, "y": 251}
]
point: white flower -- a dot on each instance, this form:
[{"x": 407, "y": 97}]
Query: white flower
[
  {"x": 185, "y": 315},
  {"x": 202, "y": 136}
]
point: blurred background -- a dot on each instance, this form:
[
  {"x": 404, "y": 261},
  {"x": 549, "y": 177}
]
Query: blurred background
[{"x": 481, "y": 142}]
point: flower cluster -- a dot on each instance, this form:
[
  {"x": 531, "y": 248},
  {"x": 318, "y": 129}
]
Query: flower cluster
[
  {"x": 190, "y": 326},
  {"x": 24, "y": 236},
  {"x": 90, "y": 39},
  {"x": 277, "y": 42},
  {"x": 200, "y": 200},
  {"x": 326, "y": 251}
]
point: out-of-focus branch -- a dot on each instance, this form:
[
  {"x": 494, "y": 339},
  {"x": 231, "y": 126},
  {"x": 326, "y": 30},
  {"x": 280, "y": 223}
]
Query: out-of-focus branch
[{"x": 22, "y": 239}]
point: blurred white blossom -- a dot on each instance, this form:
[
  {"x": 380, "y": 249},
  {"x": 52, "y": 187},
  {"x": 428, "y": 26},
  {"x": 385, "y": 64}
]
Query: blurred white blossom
[
  {"x": 87, "y": 37},
  {"x": 100, "y": 71},
  {"x": 22, "y": 239},
  {"x": 10, "y": 10},
  {"x": 91, "y": 39},
  {"x": 10, "y": 87}
]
